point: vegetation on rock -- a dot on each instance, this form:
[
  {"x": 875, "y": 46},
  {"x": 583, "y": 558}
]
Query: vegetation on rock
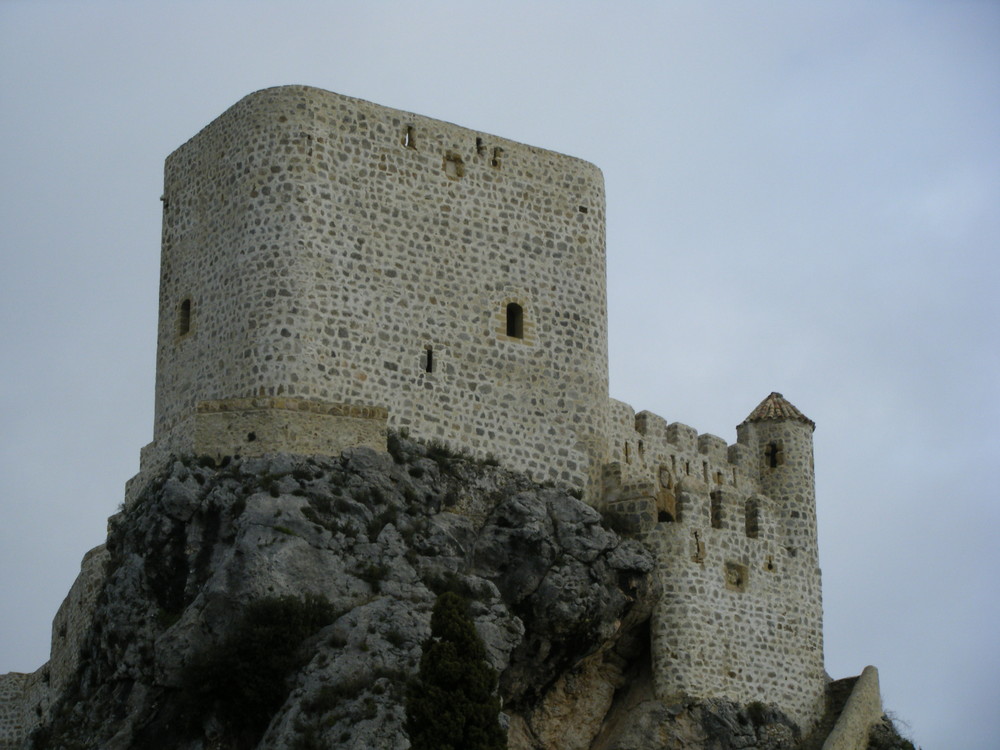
[{"x": 452, "y": 703}]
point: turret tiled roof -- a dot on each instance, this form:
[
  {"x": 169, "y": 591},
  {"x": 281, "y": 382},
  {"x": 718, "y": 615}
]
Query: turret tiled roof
[{"x": 776, "y": 407}]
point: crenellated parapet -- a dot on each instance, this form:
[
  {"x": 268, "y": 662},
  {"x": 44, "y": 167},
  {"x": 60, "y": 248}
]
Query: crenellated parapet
[
  {"x": 733, "y": 529},
  {"x": 671, "y": 457}
]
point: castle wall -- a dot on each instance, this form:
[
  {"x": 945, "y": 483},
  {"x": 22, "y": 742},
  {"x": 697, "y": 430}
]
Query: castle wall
[
  {"x": 862, "y": 710},
  {"x": 735, "y": 539},
  {"x": 26, "y": 699},
  {"x": 72, "y": 621},
  {"x": 661, "y": 454},
  {"x": 17, "y": 715},
  {"x": 325, "y": 248},
  {"x": 332, "y": 268},
  {"x": 255, "y": 426}
]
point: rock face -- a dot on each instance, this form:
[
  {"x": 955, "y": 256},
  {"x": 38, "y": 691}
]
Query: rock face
[{"x": 560, "y": 602}]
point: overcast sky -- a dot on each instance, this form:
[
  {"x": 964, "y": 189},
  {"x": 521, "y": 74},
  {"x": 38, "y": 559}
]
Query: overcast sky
[{"x": 802, "y": 197}]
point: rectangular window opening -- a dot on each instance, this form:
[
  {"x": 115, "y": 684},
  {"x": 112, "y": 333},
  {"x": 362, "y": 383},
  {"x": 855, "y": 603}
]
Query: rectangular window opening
[
  {"x": 716, "y": 510},
  {"x": 515, "y": 321},
  {"x": 184, "y": 317}
]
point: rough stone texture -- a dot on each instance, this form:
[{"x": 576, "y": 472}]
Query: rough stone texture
[
  {"x": 377, "y": 537},
  {"x": 26, "y": 699},
  {"x": 256, "y": 426},
  {"x": 319, "y": 247},
  {"x": 16, "y": 717},
  {"x": 72, "y": 622},
  {"x": 713, "y": 724},
  {"x": 321, "y": 250},
  {"x": 862, "y": 711},
  {"x": 734, "y": 531}
]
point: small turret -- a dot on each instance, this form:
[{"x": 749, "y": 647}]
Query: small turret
[{"x": 781, "y": 437}]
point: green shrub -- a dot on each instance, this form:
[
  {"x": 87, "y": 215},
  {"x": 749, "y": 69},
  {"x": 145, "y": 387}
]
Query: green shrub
[{"x": 452, "y": 705}]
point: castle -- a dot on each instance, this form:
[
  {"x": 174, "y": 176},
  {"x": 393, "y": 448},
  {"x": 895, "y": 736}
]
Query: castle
[{"x": 332, "y": 269}]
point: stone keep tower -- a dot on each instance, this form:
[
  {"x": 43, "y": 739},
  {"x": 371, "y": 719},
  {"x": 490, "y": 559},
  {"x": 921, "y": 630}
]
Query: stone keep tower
[{"x": 330, "y": 265}]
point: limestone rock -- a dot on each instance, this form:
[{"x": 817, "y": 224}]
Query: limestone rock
[{"x": 552, "y": 593}]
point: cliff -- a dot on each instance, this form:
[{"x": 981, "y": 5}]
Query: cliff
[{"x": 299, "y": 591}]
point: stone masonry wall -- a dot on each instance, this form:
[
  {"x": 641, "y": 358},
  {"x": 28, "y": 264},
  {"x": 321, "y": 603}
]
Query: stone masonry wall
[
  {"x": 322, "y": 254},
  {"x": 253, "y": 427},
  {"x": 16, "y": 720},
  {"x": 862, "y": 710},
  {"x": 328, "y": 249},
  {"x": 73, "y": 619},
  {"x": 25, "y": 699},
  {"x": 741, "y": 614}
]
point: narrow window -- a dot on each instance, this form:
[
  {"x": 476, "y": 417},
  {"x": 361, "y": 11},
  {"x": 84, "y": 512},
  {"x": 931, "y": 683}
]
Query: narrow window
[
  {"x": 774, "y": 454},
  {"x": 184, "y": 317},
  {"x": 515, "y": 321},
  {"x": 497, "y": 154},
  {"x": 429, "y": 360},
  {"x": 716, "y": 510},
  {"x": 480, "y": 146},
  {"x": 408, "y": 137}
]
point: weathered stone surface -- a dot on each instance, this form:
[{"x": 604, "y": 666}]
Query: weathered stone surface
[
  {"x": 359, "y": 256},
  {"x": 332, "y": 267},
  {"x": 552, "y": 592}
]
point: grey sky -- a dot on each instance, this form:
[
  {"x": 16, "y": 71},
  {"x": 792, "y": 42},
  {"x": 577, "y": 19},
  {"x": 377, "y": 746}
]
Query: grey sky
[{"x": 802, "y": 197}]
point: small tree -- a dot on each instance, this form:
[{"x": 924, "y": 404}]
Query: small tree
[{"x": 452, "y": 705}]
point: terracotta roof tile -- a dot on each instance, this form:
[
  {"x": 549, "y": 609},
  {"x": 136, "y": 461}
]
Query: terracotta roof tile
[{"x": 775, "y": 407}]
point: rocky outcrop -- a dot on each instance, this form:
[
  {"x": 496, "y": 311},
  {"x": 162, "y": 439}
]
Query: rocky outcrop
[
  {"x": 559, "y": 601},
  {"x": 203, "y": 564}
]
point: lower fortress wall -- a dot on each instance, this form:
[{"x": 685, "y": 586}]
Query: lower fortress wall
[{"x": 25, "y": 699}]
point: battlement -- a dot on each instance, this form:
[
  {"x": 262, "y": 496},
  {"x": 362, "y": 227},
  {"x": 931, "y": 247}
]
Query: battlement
[{"x": 647, "y": 445}]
